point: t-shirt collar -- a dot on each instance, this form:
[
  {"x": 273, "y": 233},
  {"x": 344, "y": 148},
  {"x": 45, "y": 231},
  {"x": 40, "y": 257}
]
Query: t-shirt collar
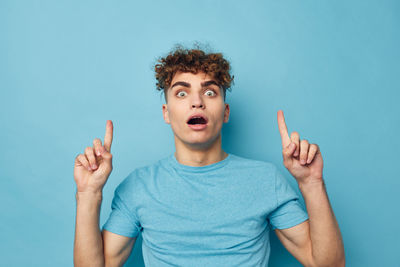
[{"x": 206, "y": 168}]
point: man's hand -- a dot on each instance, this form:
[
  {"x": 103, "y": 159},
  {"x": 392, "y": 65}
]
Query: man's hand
[
  {"x": 316, "y": 242},
  {"x": 302, "y": 159},
  {"x": 94, "y": 166}
]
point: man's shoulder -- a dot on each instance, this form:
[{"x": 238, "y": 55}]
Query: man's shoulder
[{"x": 141, "y": 173}]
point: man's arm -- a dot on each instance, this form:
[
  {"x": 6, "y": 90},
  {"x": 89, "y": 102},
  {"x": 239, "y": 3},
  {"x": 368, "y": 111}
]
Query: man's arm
[
  {"x": 91, "y": 171},
  {"x": 318, "y": 241},
  {"x": 117, "y": 248},
  {"x": 88, "y": 245},
  {"x": 91, "y": 247}
]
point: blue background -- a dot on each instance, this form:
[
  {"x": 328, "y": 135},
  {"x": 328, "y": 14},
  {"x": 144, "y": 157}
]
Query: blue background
[{"x": 68, "y": 66}]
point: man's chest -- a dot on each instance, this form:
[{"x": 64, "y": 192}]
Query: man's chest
[{"x": 214, "y": 213}]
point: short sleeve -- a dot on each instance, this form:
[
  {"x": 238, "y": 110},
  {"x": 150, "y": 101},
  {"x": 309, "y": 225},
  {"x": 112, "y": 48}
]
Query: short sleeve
[
  {"x": 122, "y": 220},
  {"x": 289, "y": 211}
]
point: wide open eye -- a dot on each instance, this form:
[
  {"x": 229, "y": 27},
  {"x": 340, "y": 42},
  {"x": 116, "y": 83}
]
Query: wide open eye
[
  {"x": 212, "y": 92},
  {"x": 181, "y": 94}
]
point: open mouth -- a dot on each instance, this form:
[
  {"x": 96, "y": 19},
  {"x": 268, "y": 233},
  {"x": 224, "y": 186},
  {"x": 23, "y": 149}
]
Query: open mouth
[{"x": 197, "y": 120}]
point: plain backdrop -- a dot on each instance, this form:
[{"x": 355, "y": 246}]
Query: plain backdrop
[{"x": 68, "y": 66}]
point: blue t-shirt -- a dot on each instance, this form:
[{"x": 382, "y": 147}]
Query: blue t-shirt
[{"x": 215, "y": 215}]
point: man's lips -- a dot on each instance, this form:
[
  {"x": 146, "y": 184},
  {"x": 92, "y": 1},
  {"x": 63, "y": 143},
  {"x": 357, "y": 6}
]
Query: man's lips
[
  {"x": 199, "y": 116},
  {"x": 201, "y": 124},
  {"x": 197, "y": 127}
]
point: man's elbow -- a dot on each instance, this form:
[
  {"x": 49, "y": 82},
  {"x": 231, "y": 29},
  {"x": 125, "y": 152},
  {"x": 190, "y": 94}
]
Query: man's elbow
[
  {"x": 342, "y": 262},
  {"x": 336, "y": 262}
]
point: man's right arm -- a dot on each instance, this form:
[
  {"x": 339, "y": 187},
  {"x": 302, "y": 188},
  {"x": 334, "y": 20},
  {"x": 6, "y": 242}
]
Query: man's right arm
[
  {"x": 91, "y": 247},
  {"x": 88, "y": 245},
  {"x": 91, "y": 171},
  {"x": 117, "y": 248}
]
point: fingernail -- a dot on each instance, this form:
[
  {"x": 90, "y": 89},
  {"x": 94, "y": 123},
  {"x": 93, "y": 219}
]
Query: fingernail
[
  {"x": 89, "y": 168},
  {"x": 291, "y": 145},
  {"x": 98, "y": 152},
  {"x": 308, "y": 161},
  {"x": 94, "y": 166},
  {"x": 302, "y": 161}
]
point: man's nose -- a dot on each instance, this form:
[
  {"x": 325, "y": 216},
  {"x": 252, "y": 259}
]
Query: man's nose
[{"x": 197, "y": 102}]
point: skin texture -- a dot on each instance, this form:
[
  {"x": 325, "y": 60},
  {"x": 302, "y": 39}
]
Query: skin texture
[
  {"x": 317, "y": 241},
  {"x": 91, "y": 171},
  {"x": 302, "y": 159},
  {"x": 94, "y": 166},
  {"x": 196, "y": 147}
]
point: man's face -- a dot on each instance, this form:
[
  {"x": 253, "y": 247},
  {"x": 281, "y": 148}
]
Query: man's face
[{"x": 199, "y": 94}]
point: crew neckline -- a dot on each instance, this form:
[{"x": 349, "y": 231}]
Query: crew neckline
[{"x": 198, "y": 169}]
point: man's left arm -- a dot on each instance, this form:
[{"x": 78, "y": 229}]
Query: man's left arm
[{"x": 317, "y": 241}]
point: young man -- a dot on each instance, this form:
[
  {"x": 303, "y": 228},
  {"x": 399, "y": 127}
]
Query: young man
[{"x": 201, "y": 206}]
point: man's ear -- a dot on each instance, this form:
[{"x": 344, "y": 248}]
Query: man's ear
[
  {"x": 165, "y": 113},
  {"x": 226, "y": 113}
]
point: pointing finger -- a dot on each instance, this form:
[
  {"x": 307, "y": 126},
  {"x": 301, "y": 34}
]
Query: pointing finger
[
  {"x": 283, "y": 129},
  {"x": 108, "y": 136}
]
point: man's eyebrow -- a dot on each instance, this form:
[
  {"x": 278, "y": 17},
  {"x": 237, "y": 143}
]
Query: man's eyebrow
[
  {"x": 203, "y": 84},
  {"x": 185, "y": 84},
  {"x": 207, "y": 83}
]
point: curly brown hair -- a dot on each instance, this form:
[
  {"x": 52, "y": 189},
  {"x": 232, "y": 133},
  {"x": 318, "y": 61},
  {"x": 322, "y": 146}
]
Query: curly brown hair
[{"x": 192, "y": 60}]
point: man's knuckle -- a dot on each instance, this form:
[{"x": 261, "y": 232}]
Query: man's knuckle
[
  {"x": 313, "y": 147},
  {"x": 107, "y": 155}
]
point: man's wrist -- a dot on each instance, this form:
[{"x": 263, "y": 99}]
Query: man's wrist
[
  {"x": 89, "y": 195},
  {"x": 311, "y": 184}
]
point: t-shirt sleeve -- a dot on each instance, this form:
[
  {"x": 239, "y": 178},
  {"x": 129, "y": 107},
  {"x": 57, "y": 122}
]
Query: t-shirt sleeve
[
  {"x": 289, "y": 211},
  {"x": 122, "y": 220}
]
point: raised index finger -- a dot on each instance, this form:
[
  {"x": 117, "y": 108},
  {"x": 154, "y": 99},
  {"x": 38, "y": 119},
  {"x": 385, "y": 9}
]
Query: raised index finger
[
  {"x": 283, "y": 129},
  {"x": 109, "y": 135}
]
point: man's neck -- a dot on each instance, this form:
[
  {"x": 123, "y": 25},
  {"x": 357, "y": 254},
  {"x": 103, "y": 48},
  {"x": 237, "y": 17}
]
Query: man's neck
[{"x": 196, "y": 157}]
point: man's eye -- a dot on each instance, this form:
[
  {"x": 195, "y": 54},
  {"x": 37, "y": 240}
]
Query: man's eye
[
  {"x": 212, "y": 92},
  {"x": 181, "y": 94}
]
